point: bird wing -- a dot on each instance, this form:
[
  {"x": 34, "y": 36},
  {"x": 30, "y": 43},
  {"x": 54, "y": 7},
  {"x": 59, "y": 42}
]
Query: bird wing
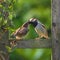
[
  {"x": 44, "y": 30},
  {"x": 22, "y": 31},
  {"x": 41, "y": 28}
]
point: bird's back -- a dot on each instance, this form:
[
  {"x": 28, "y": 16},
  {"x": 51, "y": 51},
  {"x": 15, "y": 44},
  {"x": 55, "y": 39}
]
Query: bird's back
[{"x": 20, "y": 32}]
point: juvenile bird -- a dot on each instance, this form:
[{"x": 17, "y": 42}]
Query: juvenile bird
[
  {"x": 21, "y": 31},
  {"x": 39, "y": 28}
]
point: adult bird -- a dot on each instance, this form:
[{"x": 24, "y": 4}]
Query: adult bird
[
  {"x": 39, "y": 28},
  {"x": 21, "y": 31}
]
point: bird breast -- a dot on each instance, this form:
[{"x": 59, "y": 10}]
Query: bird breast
[{"x": 40, "y": 29}]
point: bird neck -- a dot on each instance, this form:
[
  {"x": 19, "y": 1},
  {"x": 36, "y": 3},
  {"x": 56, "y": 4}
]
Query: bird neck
[
  {"x": 26, "y": 24},
  {"x": 34, "y": 23}
]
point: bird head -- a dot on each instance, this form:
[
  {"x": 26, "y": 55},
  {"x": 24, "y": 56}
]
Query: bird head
[{"x": 33, "y": 21}]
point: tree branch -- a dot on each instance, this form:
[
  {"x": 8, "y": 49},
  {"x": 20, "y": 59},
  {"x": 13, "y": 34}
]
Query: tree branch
[{"x": 41, "y": 43}]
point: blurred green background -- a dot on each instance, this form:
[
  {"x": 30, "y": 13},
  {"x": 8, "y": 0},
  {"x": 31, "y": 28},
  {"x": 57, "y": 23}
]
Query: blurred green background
[{"x": 24, "y": 10}]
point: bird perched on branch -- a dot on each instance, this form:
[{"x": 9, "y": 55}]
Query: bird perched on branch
[
  {"x": 21, "y": 31},
  {"x": 39, "y": 28}
]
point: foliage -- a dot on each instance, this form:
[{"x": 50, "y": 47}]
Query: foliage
[
  {"x": 31, "y": 54},
  {"x": 6, "y": 13}
]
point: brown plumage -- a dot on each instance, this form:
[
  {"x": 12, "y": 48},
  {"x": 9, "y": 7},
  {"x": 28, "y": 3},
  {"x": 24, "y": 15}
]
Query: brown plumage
[{"x": 22, "y": 31}]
